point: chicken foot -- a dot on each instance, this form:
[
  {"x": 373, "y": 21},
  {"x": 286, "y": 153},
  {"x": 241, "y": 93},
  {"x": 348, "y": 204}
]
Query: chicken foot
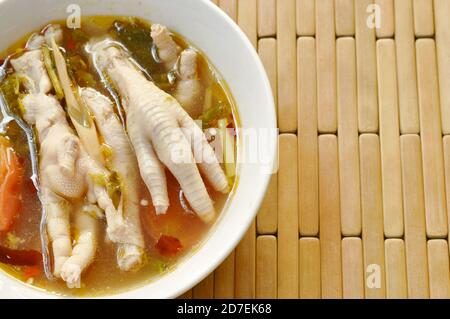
[
  {"x": 83, "y": 252},
  {"x": 168, "y": 50},
  {"x": 123, "y": 161},
  {"x": 159, "y": 129},
  {"x": 65, "y": 169},
  {"x": 189, "y": 90}
]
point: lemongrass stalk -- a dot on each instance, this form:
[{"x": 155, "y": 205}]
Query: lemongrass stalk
[
  {"x": 228, "y": 146},
  {"x": 78, "y": 113},
  {"x": 52, "y": 73}
]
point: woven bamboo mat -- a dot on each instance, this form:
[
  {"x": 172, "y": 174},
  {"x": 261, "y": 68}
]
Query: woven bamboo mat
[{"x": 362, "y": 213}]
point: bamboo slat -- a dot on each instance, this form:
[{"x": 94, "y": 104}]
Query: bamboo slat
[
  {"x": 247, "y": 19},
  {"x": 267, "y": 216},
  {"x": 387, "y": 26},
  {"x": 287, "y": 218},
  {"x": 205, "y": 289},
  {"x": 396, "y": 287},
  {"x": 366, "y": 70},
  {"x": 309, "y": 268},
  {"x": 229, "y": 7},
  {"x": 446, "y": 145},
  {"x": 406, "y": 67},
  {"x": 372, "y": 216},
  {"x": 307, "y": 138},
  {"x": 245, "y": 273},
  {"x": 348, "y": 138},
  {"x": 267, "y": 49},
  {"x": 442, "y": 14},
  {"x": 390, "y": 139},
  {"x": 352, "y": 268},
  {"x": 245, "y": 255},
  {"x": 330, "y": 220},
  {"x": 439, "y": 269},
  {"x": 414, "y": 211},
  {"x": 186, "y": 295},
  {"x": 267, "y": 220},
  {"x": 345, "y": 18},
  {"x": 432, "y": 153},
  {"x": 306, "y": 17},
  {"x": 287, "y": 77},
  {"x": 266, "y": 267},
  {"x": 224, "y": 278},
  {"x": 326, "y": 67},
  {"x": 423, "y": 18},
  {"x": 267, "y": 18}
]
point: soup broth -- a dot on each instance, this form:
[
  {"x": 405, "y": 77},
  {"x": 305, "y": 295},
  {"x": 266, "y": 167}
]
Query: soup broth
[{"x": 169, "y": 237}]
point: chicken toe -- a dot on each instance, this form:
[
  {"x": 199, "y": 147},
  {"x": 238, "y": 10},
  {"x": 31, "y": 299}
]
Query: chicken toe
[
  {"x": 168, "y": 50},
  {"x": 31, "y": 65},
  {"x": 189, "y": 90},
  {"x": 58, "y": 228},
  {"x": 83, "y": 252}
]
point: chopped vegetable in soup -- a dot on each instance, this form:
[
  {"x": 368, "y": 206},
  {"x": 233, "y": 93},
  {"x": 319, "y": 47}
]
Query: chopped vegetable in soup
[{"x": 109, "y": 174}]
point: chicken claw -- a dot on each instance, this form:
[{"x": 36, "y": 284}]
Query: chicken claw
[
  {"x": 84, "y": 249},
  {"x": 168, "y": 50},
  {"x": 66, "y": 170},
  {"x": 158, "y": 128},
  {"x": 123, "y": 161},
  {"x": 189, "y": 90},
  {"x": 58, "y": 228}
]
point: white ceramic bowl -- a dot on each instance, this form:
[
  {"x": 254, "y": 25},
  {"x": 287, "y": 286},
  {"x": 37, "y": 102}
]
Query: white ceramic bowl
[{"x": 228, "y": 49}]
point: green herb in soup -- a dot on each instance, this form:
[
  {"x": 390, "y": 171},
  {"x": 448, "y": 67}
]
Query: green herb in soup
[{"x": 112, "y": 204}]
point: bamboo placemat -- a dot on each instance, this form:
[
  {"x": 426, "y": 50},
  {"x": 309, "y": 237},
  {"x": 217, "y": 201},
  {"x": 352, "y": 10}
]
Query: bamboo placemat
[{"x": 358, "y": 208}]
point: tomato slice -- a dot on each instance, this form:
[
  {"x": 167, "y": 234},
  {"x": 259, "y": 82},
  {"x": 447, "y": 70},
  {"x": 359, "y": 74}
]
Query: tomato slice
[
  {"x": 168, "y": 245},
  {"x": 11, "y": 182},
  {"x": 31, "y": 271}
]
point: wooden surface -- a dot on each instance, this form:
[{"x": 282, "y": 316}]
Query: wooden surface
[{"x": 359, "y": 207}]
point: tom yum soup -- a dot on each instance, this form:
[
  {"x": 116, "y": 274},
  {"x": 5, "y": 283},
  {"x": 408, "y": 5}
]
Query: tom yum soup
[{"x": 111, "y": 154}]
